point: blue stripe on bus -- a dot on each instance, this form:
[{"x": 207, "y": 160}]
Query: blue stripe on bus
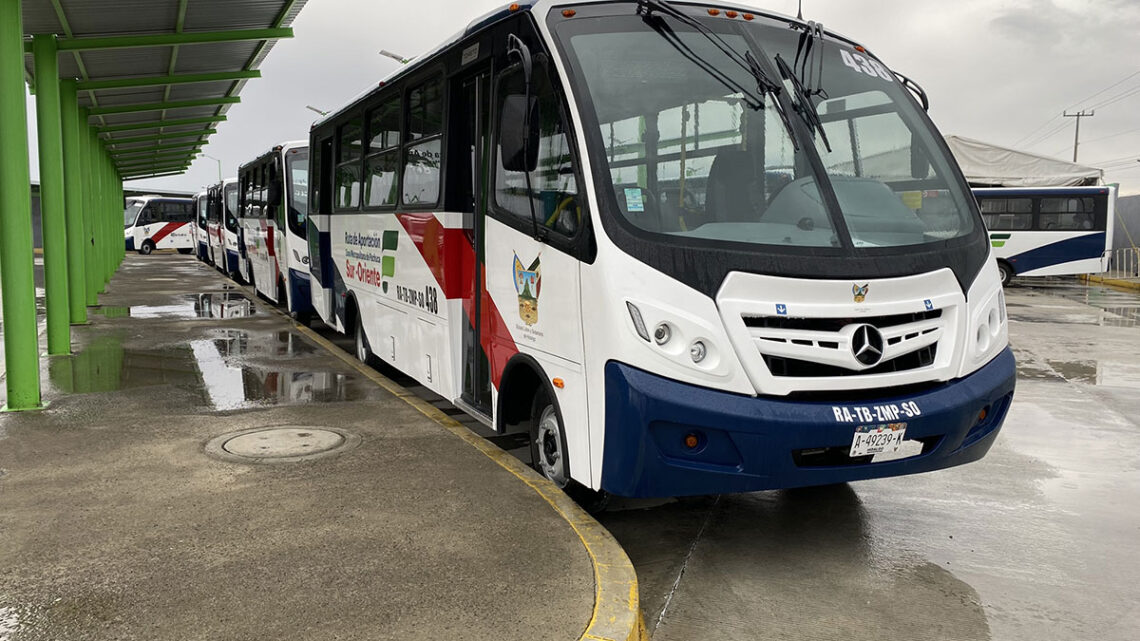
[{"x": 1063, "y": 251}]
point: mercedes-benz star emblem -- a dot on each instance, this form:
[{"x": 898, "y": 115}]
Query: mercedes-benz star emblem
[{"x": 867, "y": 345}]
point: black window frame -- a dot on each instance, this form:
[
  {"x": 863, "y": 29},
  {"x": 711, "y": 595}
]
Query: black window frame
[
  {"x": 433, "y": 73},
  {"x": 383, "y": 100},
  {"x": 338, "y": 140}
]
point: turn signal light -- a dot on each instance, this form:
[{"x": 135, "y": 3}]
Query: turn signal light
[
  {"x": 692, "y": 441},
  {"x": 514, "y": 7},
  {"x": 558, "y": 382},
  {"x": 569, "y": 13},
  {"x": 982, "y": 414}
]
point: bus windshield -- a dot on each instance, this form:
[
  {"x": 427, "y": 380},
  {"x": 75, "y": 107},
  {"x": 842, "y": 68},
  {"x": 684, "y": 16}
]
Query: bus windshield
[
  {"x": 131, "y": 213},
  {"x": 297, "y": 163},
  {"x": 688, "y": 160}
]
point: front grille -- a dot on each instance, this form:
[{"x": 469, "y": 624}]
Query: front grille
[
  {"x": 836, "y": 324},
  {"x": 782, "y": 366}
]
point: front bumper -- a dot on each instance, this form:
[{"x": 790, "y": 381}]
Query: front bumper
[
  {"x": 755, "y": 443},
  {"x": 130, "y": 243}
]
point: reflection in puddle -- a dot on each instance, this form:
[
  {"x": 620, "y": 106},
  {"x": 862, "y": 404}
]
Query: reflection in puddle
[
  {"x": 225, "y": 370},
  {"x": 221, "y": 306}
]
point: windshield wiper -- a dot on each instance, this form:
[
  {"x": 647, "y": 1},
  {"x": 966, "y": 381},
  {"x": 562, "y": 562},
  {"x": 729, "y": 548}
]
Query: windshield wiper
[
  {"x": 765, "y": 86},
  {"x": 803, "y": 104},
  {"x": 806, "y": 54}
]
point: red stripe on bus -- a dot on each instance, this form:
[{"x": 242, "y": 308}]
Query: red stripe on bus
[
  {"x": 166, "y": 230},
  {"x": 451, "y": 259}
]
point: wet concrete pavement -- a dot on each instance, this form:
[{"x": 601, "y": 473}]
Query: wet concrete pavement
[
  {"x": 1039, "y": 540},
  {"x": 115, "y": 523}
]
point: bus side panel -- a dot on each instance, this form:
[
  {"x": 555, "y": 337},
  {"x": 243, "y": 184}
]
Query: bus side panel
[
  {"x": 537, "y": 291},
  {"x": 171, "y": 235},
  {"x": 321, "y": 268},
  {"x": 1044, "y": 253}
]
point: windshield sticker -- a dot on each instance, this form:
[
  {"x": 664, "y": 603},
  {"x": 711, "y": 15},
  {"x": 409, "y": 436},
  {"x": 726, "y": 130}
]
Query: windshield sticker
[
  {"x": 862, "y": 64},
  {"x": 912, "y": 199},
  {"x": 781, "y": 309},
  {"x": 875, "y": 413},
  {"x": 929, "y": 305},
  {"x": 634, "y": 201}
]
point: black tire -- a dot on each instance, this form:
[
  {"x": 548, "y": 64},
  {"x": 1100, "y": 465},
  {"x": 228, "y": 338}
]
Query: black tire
[
  {"x": 185, "y": 251},
  {"x": 147, "y": 248},
  {"x": 550, "y": 457},
  {"x": 1006, "y": 274},
  {"x": 360, "y": 340}
]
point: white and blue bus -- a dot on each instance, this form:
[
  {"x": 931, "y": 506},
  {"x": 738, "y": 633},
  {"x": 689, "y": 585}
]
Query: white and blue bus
[
  {"x": 1049, "y": 231},
  {"x": 222, "y": 228},
  {"x": 274, "y": 202},
  {"x": 158, "y": 222},
  {"x": 688, "y": 248},
  {"x": 201, "y": 234}
]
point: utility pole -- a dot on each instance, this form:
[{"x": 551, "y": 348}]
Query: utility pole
[{"x": 1077, "y": 138}]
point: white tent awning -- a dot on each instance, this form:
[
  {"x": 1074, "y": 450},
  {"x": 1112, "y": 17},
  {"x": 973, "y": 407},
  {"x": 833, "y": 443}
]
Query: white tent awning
[{"x": 987, "y": 165}]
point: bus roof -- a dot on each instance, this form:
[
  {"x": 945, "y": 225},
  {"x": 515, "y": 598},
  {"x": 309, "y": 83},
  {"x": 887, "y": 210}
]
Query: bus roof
[{"x": 530, "y": 6}]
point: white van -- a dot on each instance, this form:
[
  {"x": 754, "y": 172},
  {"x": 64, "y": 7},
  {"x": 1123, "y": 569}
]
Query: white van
[{"x": 157, "y": 222}]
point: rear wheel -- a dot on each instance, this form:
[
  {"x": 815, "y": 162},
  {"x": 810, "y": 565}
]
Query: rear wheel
[
  {"x": 147, "y": 248},
  {"x": 550, "y": 457},
  {"x": 184, "y": 250},
  {"x": 1006, "y": 274},
  {"x": 363, "y": 350}
]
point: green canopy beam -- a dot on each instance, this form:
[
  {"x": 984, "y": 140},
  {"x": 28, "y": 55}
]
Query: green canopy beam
[
  {"x": 158, "y": 81},
  {"x": 160, "y": 106},
  {"x": 164, "y": 173},
  {"x": 169, "y": 39},
  {"x": 141, "y": 151},
  {"x": 112, "y": 142},
  {"x": 147, "y": 163},
  {"x": 156, "y": 124}
]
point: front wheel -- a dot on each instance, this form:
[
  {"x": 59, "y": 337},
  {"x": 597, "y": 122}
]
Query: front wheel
[
  {"x": 363, "y": 350},
  {"x": 1006, "y": 274},
  {"x": 550, "y": 457},
  {"x": 147, "y": 248}
]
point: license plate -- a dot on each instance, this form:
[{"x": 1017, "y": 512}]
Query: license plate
[{"x": 877, "y": 439}]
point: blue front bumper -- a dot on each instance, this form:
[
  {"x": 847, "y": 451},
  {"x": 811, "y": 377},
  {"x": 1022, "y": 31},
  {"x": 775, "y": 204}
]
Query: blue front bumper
[
  {"x": 747, "y": 443},
  {"x": 302, "y": 292},
  {"x": 231, "y": 261},
  {"x": 130, "y": 243}
]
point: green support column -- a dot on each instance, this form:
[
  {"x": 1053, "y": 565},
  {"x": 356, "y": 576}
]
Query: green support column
[
  {"x": 89, "y": 211},
  {"x": 73, "y": 194},
  {"x": 17, "y": 282},
  {"x": 48, "y": 127}
]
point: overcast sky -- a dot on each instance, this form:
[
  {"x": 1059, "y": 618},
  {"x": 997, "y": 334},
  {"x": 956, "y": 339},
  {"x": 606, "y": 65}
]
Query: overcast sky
[{"x": 1001, "y": 71}]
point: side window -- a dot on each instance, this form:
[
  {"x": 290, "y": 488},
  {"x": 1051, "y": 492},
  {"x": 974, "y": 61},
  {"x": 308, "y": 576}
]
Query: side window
[
  {"x": 382, "y": 165},
  {"x": 149, "y": 215},
  {"x": 422, "y": 154},
  {"x": 260, "y": 197},
  {"x": 1007, "y": 214},
  {"x": 1067, "y": 214},
  {"x": 554, "y": 188},
  {"x": 348, "y": 154}
]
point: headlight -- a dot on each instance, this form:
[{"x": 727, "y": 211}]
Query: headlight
[{"x": 989, "y": 333}]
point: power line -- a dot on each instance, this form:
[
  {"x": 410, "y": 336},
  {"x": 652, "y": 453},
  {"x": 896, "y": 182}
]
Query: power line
[
  {"x": 1117, "y": 98},
  {"x": 1115, "y": 135},
  {"x": 1075, "y": 105},
  {"x": 1053, "y": 132}
]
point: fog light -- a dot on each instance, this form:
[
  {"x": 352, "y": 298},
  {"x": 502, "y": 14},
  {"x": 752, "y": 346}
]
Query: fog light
[
  {"x": 698, "y": 351},
  {"x": 692, "y": 441},
  {"x": 662, "y": 334},
  {"x": 983, "y": 414}
]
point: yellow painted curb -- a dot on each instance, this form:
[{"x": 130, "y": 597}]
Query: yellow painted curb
[
  {"x": 1112, "y": 282},
  {"x": 617, "y": 608}
]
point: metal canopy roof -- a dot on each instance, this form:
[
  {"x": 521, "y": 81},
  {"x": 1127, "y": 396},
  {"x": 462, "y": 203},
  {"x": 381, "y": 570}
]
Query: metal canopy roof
[{"x": 158, "y": 75}]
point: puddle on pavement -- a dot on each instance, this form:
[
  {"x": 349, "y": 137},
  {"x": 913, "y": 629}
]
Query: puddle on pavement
[
  {"x": 1089, "y": 372},
  {"x": 224, "y": 370},
  {"x": 220, "y": 306}
]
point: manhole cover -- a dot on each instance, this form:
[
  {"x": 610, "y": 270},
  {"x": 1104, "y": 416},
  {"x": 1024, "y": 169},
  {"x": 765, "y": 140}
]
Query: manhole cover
[{"x": 281, "y": 444}]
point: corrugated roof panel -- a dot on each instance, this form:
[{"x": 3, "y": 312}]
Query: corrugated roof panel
[
  {"x": 94, "y": 17},
  {"x": 221, "y": 56},
  {"x": 215, "y": 15},
  {"x": 111, "y": 63},
  {"x": 39, "y": 17},
  {"x": 112, "y": 97},
  {"x": 199, "y": 90}
]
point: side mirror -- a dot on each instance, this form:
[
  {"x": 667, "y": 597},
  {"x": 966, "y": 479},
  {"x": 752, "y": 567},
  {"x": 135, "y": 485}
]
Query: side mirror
[{"x": 519, "y": 133}]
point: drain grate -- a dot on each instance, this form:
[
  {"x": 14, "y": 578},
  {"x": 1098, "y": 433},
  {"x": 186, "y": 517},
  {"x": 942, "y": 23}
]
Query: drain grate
[{"x": 281, "y": 444}]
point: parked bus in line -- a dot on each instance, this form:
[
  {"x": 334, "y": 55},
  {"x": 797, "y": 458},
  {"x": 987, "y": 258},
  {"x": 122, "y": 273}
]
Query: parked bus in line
[
  {"x": 223, "y": 227},
  {"x": 157, "y": 222},
  {"x": 673, "y": 243},
  {"x": 274, "y": 201},
  {"x": 1049, "y": 231},
  {"x": 201, "y": 238}
]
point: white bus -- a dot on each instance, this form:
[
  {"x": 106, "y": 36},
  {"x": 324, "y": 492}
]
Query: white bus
[
  {"x": 157, "y": 222},
  {"x": 682, "y": 257},
  {"x": 226, "y": 248},
  {"x": 1049, "y": 231},
  {"x": 274, "y": 201},
  {"x": 200, "y": 230}
]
